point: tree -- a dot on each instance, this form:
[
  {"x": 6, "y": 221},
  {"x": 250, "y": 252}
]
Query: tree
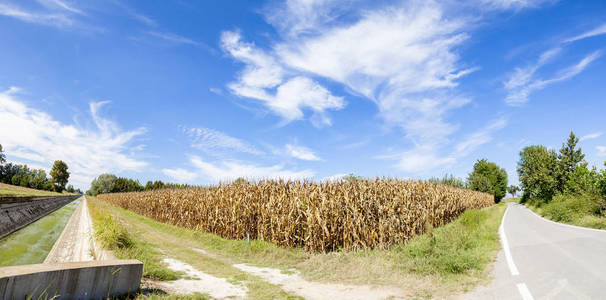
[
  {"x": 70, "y": 189},
  {"x": 488, "y": 177},
  {"x": 103, "y": 184},
  {"x": 59, "y": 176},
  {"x": 569, "y": 159},
  {"x": 2, "y": 156},
  {"x": 537, "y": 170},
  {"x": 513, "y": 190},
  {"x": 450, "y": 180},
  {"x": 352, "y": 178}
]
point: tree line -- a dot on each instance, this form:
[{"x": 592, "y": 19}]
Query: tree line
[
  {"x": 486, "y": 177},
  {"x": 545, "y": 174},
  {"x": 110, "y": 183},
  {"x": 22, "y": 175}
]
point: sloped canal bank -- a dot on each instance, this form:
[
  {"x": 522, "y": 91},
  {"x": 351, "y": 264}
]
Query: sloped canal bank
[{"x": 31, "y": 244}]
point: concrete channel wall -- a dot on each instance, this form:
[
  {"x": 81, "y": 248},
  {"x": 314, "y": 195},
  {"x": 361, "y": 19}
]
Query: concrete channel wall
[
  {"x": 101, "y": 279},
  {"x": 18, "y": 212}
]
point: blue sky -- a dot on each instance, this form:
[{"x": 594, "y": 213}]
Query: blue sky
[{"x": 213, "y": 90}]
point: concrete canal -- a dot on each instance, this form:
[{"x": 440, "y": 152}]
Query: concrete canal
[{"x": 31, "y": 244}]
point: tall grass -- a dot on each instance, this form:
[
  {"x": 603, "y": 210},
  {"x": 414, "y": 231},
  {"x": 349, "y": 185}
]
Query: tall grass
[{"x": 317, "y": 216}]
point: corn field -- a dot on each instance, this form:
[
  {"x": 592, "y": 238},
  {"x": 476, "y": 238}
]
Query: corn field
[{"x": 325, "y": 216}]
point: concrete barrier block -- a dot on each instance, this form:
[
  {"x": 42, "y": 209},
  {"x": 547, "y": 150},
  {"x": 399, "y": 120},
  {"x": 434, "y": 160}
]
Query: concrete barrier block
[{"x": 73, "y": 280}]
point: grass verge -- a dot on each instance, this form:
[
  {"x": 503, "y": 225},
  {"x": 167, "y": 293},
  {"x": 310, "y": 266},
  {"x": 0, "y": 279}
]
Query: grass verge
[
  {"x": 113, "y": 235},
  {"x": 445, "y": 261},
  {"x": 579, "y": 210},
  {"x": 19, "y": 191}
]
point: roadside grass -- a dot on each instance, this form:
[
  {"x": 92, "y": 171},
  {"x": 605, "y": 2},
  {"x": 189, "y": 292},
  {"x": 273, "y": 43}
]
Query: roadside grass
[
  {"x": 579, "y": 210},
  {"x": 445, "y": 261},
  {"x": 19, "y": 191},
  {"x": 113, "y": 235}
]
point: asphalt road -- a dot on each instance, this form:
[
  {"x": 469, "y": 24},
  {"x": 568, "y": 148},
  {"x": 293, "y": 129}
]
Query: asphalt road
[{"x": 542, "y": 259}]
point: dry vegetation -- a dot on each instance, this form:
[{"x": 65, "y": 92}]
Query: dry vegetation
[{"x": 327, "y": 216}]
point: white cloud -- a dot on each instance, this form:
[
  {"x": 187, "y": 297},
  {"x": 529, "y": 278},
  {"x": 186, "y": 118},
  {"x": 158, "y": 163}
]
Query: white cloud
[
  {"x": 175, "y": 38},
  {"x": 34, "y": 135},
  {"x": 263, "y": 74},
  {"x": 230, "y": 170},
  {"x": 403, "y": 56},
  {"x": 522, "y": 84},
  {"x": 591, "y": 33},
  {"x": 513, "y": 4},
  {"x": 212, "y": 140},
  {"x": 601, "y": 150},
  {"x": 180, "y": 175},
  {"x": 59, "y": 20},
  {"x": 301, "y": 152},
  {"x": 591, "y": 136},
  {"x": 479, "y": 137},
  {"x": 62, "y": 5}
]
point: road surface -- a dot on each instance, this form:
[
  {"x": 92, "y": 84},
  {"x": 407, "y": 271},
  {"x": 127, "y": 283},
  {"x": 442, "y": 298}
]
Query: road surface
[{"x": 542, "y": 259}]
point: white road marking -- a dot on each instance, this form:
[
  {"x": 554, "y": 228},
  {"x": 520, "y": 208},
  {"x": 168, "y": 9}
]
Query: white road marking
[
  {"x": 523, "y": 289},
  {"x": 512, "y": 266}
]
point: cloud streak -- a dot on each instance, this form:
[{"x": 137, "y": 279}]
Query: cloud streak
[
  {"x": 521, "y": 84},
  {"x": 591, "y": 136},
  {"x": 591, "y": 33},
  {"x": 214, "y": 140}
]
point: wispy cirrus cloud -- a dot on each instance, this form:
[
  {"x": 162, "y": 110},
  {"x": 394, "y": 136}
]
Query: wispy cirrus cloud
[
  {"x": 591, "y": 33},
  {"x": 62, "y": 5},
  {"x": 213, "y": 140},
  {"x": 514, "y": 4},
  {"x": 601, "y": 150},
  {"x": 54, "y": 19},
  {"x": 175, "y": 38},
  {"x": 37, "y": 137},
  {"x": 591, "y": 136},
  {"x": 522, "y": 83}
]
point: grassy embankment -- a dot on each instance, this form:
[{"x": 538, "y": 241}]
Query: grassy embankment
[
  {"x": 18, "y": 191},
  {"x": 446, "y": 260},
  {"x": 578, "y": 210}
]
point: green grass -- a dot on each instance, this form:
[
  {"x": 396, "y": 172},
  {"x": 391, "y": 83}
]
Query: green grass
[
  {"x": 31, "y": 244},
  {"x": 465, "y": 245},
  {"x": 18, "y": 191},
  {"x": 579, "y": 210},
  {"x": 114, "y": 236},
  {"x": 451, "y": 259}
]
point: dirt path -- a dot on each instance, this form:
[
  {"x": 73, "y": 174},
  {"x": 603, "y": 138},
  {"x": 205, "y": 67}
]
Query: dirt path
[
  {"x": 75, "y": 242},
  {"x": 200, "y": 282},
  {"x": 320, "y": 291}
]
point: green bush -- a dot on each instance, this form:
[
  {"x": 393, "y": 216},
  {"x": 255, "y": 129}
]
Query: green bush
[{"x": 568, "y": 207}]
